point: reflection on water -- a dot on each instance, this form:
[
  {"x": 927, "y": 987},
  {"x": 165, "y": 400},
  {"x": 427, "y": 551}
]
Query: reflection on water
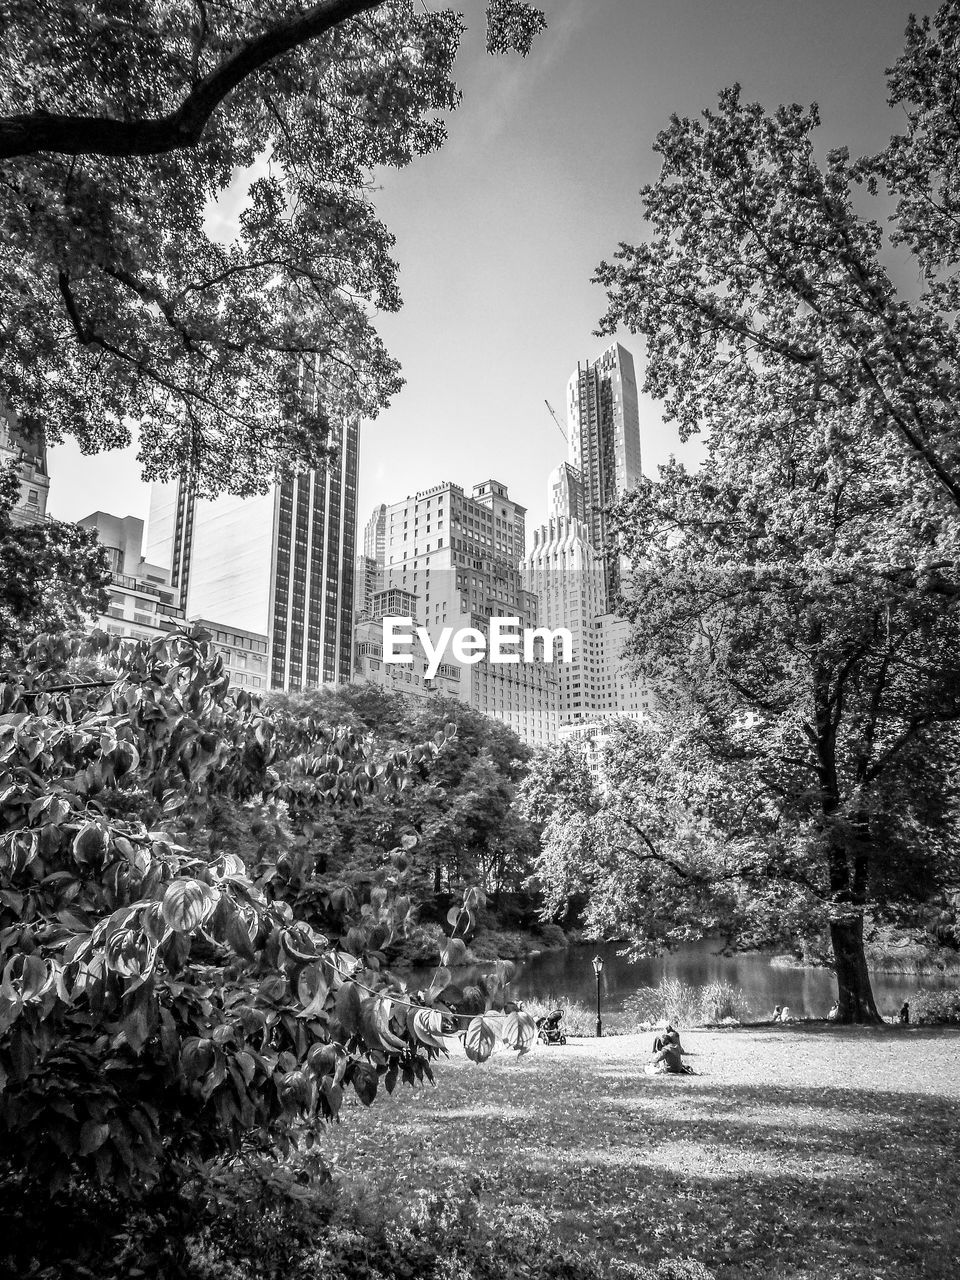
[{"x": 809, "y": 992}]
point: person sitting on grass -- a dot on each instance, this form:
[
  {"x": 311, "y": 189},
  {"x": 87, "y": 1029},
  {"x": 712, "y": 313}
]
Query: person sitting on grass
[
  {"x": 667, "y": 1052},
  {"x": 669, "y": 1035}
]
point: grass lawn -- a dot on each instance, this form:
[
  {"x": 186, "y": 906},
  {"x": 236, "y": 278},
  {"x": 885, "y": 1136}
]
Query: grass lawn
[{"x": 806, "y": 1151}]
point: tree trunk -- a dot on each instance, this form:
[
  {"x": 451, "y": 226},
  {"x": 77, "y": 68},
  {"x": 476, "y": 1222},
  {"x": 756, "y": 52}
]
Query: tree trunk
[{"x": 854, "y": 993}]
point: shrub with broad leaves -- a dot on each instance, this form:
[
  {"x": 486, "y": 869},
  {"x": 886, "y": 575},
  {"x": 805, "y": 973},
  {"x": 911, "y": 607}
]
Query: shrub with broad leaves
[{"x": 164, "y": 998}]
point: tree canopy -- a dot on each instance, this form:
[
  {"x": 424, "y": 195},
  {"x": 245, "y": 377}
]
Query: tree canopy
[
  {"x": 795, "y": 599},
  {"x": 53, "y": 575},
  {"x": 121, "y": 123},
  {"x": 764, "y": 293}
]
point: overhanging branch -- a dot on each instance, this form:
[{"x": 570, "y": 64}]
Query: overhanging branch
[{"x": 98, "y": 135}]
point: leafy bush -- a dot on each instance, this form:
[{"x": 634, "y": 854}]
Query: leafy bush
[
  {"x": 420, "y": 945},
  {"x": 553, "y": 936},
  {"x": 936, "y": 1006},
  {"x": 721, "y": 1001},
  {"x": 491, "y": 944},
  {"x": 682, "y": 1004},
  {"x": 169, "y": 994}
]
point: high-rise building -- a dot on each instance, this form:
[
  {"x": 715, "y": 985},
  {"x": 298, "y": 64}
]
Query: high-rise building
[
  {"x": 375, "y": 534},
  {"x": 367, "y": 580},
  {"x": 459, "y": 556},
  {"x": 574, "y": 565},
  {"x": 279, "y": 564},
  {"x": 565, "y": 572},
  {"x": 565, "y": 493},
  {"x": 603, "y": 413}
]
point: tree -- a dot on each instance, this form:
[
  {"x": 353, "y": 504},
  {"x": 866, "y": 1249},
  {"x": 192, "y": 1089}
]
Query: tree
[
  {"x": 762, "y": 289},
  {"x": 162, "y": 1000},
  {"x": 53, "y": 576},
  {"x": 468, "y": 829},
  {"x": 816, "y": 679},
  {"x": 120, "y": 122},
  {"x": 557, "y": 795},
  {"x": 798, "y": 596}
]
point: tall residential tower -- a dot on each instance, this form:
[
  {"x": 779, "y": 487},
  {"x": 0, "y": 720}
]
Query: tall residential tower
[
  {"x": 603, "y": 414},
  {"x": 281, "y": 563}
]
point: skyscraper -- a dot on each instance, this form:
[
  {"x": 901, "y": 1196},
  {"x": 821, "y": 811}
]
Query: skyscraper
[
  {"x": 565, "y": 572},
  {"x": 281, "y": 563},
  {"x": 375, "y": 533},
  {"x": 603, "y": 413}
]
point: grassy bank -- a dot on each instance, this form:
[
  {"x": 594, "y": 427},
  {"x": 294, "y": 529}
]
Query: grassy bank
[{"x": 810, "y": 1151}]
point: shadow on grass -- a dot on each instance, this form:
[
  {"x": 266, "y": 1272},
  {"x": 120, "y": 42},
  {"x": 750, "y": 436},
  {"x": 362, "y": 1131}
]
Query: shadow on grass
[
  {"x": 784, "y": 1178},
  {"x": 766, "y": 1181}
]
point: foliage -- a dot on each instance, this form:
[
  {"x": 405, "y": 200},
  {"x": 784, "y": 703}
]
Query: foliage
[
  {"x": 468, "y": 828},
  {"x": 557, "y": 795},
  {"x": 162, "y": 1004},
  {"x": 761, "y": 274},
  {"x": 936, "y": 1006},
  {"x": 799, "y": 594},
  {"x": 121, "y": 126},
  {"x": 682, "y": 1004},
  {"x": 53, "y": 575},
  {"x": 442, "y": 1236}
]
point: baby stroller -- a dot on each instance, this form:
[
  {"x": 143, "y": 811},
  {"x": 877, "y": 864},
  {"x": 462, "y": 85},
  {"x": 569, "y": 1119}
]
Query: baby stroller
[{"x": 550, "y": 1028}]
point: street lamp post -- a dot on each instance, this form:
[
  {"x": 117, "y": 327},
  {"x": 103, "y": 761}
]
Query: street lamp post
[{"x": 598, "y": 969}]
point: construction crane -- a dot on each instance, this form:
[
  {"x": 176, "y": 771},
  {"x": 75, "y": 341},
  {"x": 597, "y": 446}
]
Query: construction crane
[{"x": 553, "y": 415}]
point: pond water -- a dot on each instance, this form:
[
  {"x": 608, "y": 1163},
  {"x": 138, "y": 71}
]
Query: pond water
[{"x": 568, "y": 975}]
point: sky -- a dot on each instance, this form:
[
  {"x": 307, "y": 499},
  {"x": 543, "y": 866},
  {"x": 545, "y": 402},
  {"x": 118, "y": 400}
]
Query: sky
[{"x": 499, "y": 233}]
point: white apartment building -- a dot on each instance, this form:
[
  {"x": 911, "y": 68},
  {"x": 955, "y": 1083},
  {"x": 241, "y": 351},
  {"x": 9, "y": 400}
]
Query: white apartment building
[
  {"x": 459, "y": 557},
  {"x": 409, "y": 678},
  {"x": 144, "y": 606}
]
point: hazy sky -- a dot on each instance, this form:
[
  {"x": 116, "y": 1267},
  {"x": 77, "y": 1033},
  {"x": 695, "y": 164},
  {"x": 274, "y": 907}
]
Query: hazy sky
[{"x": 499, "y": 233}]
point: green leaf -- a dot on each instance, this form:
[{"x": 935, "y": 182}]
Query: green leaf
[
  {"x": 519, "y": 1031},
  {"x": 347, "y": 1005},
  {"x": 187, "y": 903},
  {"x": 92, "y": 1137},
  {"x": 479, "y": 1039}
]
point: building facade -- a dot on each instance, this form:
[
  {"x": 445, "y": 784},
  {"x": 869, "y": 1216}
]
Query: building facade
[
  {"x": 458, "y": 556},
  {"x": 375, "y": 533},
  {"x": 280, "y": 564},
  {"x": 565, "y": 571},
  {"x": 410, "y": 679},
  {"x": 603, "y": 415},
  {"x": 142, "y": 603},
  {"x": 29, "y": 457}
]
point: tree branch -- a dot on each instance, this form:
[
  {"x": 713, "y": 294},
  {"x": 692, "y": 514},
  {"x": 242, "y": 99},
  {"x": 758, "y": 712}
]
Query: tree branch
[{"x": 98, "y": 135}]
